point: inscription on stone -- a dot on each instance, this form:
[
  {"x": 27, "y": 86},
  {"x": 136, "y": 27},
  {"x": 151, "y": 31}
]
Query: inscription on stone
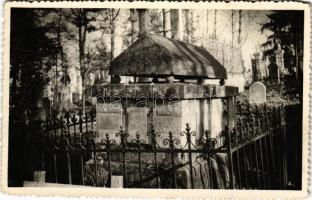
[
  {"x": 109, "y": 121},
  {"x": 137, "y": 122},
  {"x": 109, "y": 107},
  {"x": 164, "y": 124},
  {"x": 171, "y": 109}
]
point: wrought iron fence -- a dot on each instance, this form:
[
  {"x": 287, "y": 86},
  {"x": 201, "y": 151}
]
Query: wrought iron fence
[
  {"x": 251, "y": 155},
  {"x": 258, "y": 148}
]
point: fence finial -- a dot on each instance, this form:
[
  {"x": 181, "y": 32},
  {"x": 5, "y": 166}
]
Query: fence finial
[{"x": 188, "y": 128}]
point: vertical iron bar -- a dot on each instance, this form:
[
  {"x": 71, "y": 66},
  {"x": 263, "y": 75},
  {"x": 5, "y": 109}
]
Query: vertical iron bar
[
  {"x": 156, "y": 169},
  {"x": 245, "y": 166},
  {"x": 69, "y": 168},
  {"x": 80, "y": 122},
  {"x": 68, "y": 125},
  {"x": 211, "y": 173},
  {"x": 250, "y": 157},
  {"x": 81, "y": 169},
  {"x": 271, "y": 145},
  {"x": 171, "y": 145},
  {"x": 284, "y": 150},
  {"x": 267, "y": 161},
  {"x": 229, "y": 144},
  {"x": 255, "y": 150},
  {"x": 252, "y": 167},
  {"x": 55, "y": 128},
  {"x": 140, "y": 168},
  {"x": 108, "y": 152},
  {"x": 174, "y": 184},
  {"x": 62, "y": 128},
  {"x": 123, "y": 146},
  {"x": 86, "y": 117},
  {"x": 91, "y": 120},
  {"x": 257, "y": 166},
  {"x": 229, "y": 154},
  {"x": 210, "y": 186},
  {"x": 138, "y": 141},
  {"x": 42, "y": 160},
  {"x": 74, "y": 124},
  {"x": 124, "y": 167},
  {"x": 188, "y": 137},
  {"x": 109, "y": 168},
  {"x": 240, "y": 133},
  {"x": 55, "y": 166},
  {"x": 259, "y": 132},
  {"x": 95, "y": 163},
  {"x": 238, "y": 170},
  {"x": 262, "y": 165},
  {"x": 154, "y": 146},
  {"x": 278, "y": 149}
]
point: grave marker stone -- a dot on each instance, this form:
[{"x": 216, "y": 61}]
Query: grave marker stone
[
  {"x": 137, "y": 123},
  {"x": 117, "y": 182},
  {"x": 39, "y": 176},
  {"x": 167, "y": 118},
  {"x": 257, "y": 93},
  {"x": 109, "y": 118}
]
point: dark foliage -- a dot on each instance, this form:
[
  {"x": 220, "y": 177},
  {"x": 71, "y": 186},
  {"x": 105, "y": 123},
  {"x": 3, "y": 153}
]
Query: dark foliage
[
  {"x": 286, "y": 29},
  {"x": 31, "y": 56}
]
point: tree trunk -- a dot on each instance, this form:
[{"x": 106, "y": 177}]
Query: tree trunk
[
  {"x": 232, "y": 25},
  {"x": 116, "y": 36},
  {"x": 239, "y": 27},
  {"x": 215, "y": 25},
  {"x": 297, "y": 56},
  {"x": 191, "y": 24},
  {"x": 82, "y": 32},
  {"x": 58, "y": 57},
  {"x": 134, "y": 25},
  {"x": 197, "y": 27},
  {"x": 144, "y": 21},
  {"x": 176, "y": 24},
  {"x": 207, "y": 24},
  {"x": 188, "y": 25},
  {"x": 144, "y": 28},
  {"x": 166, "y": 23},
  {"x": 134, "y": 29}
]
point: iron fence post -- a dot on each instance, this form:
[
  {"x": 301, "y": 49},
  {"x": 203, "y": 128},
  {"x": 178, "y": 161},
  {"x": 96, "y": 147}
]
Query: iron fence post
[
  {"x": 188, "y": 139},
  {"x": 229, "y": 154}
]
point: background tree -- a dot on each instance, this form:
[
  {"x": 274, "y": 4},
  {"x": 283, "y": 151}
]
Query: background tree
[
  {"x": 166, "y": 23},
  {"x": 31, "y": 57},
  {"x": 83, "y": 20},
  {"x": 57, "y": 30},
  {"x": 286, "y": 29}
]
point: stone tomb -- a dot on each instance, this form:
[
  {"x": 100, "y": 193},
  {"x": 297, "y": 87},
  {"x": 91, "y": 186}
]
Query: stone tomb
[
  {"x": 257, "y": 93},
  {"x": 168, "y": 107},
  {"x": 177, "y": 95}
]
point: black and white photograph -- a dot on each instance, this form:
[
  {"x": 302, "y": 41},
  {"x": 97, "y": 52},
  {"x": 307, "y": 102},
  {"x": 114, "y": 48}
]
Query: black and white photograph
[{"x": 156, "y": 98}]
